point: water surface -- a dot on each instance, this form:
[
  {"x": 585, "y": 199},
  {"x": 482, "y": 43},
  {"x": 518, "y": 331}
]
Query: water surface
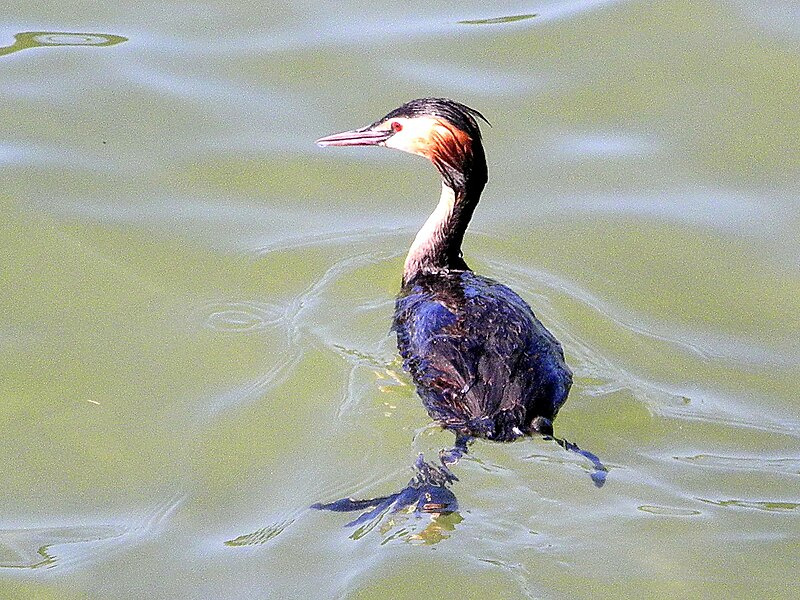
[{"x": 196, "y": 300}]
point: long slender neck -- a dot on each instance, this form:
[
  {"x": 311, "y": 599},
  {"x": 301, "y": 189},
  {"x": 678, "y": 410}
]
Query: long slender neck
[{"x": 437, "y": 246}]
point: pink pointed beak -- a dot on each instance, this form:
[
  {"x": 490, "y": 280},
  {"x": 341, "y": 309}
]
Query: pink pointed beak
[{"x": 357, "y": 137}]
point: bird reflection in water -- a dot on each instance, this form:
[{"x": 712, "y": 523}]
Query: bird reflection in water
[{"x": 426, "y": 493}]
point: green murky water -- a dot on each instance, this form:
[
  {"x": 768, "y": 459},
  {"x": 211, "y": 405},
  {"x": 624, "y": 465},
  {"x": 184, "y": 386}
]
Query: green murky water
[{"x": 196, "y": 300}]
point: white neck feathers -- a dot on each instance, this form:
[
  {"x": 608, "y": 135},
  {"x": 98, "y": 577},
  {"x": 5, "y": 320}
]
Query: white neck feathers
[{"x": 433, "y": 233}]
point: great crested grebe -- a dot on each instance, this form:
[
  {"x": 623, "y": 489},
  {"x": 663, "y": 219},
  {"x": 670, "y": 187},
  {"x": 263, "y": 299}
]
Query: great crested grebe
[{"x": 483, "y": 364}]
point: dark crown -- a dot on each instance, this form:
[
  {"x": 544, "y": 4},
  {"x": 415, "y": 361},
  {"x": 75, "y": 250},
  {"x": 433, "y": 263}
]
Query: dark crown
[{"x": 460, "y": 115}]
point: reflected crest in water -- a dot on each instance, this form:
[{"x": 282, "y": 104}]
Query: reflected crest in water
[{"x": 47, "y": 39}]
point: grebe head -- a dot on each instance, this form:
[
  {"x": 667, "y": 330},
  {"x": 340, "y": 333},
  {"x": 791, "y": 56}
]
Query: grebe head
[{"x": 444, "y": 131}]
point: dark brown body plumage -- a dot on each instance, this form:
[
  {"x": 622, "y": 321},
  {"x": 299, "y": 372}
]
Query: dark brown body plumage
[{"x": 483, "y": 364}]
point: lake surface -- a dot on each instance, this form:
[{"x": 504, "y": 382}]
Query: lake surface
[{"x": 196, "y": 299}]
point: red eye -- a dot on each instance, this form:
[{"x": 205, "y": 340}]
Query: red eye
[{"x": 397, "y": 126}]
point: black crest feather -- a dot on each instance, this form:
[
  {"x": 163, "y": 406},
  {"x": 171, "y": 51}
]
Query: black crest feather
[{"x": 460, "y": 115}]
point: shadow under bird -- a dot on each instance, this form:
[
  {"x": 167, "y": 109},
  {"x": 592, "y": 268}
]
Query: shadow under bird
[{"x": 483, "y": 364}]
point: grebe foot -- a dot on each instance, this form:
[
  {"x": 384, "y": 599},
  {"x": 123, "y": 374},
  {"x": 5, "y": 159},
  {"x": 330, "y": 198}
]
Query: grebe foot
[
  {"x": 430, "y": 474},
  {"x": 449, "y": 457},
  {"x": 426, "y": 493},
  {"x": 454, "y": 454},
  {"x": 600, "y": 471}
]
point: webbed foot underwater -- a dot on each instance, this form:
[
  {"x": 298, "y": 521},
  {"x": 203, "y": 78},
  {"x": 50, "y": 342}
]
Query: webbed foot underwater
[
  {"x": 482, "y": 363},
  {"x": 426, "y": 493}
]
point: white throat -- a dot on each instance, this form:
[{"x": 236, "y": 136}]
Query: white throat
[{"x": 432, "y": 232}]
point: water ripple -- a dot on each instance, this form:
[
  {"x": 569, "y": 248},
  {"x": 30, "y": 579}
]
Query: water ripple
[
  {"x": 768, "y": 506},
  {"x": 708, "y": 345},
  {"x": 466, "y": 79},
  {"x": 743, "y": 463},
  {"x": 36, "y": 547},
  {"x": 668, "y": 511},
  {"x": 260, "y": 536},
  {"x": 72, "y": 545},
  {"x": 240, "y": 316},
  {"x": 49, "y": 39},
  {"x": 496, "y": 20},
  {"x": 255, "y": 389},
  {"x": 333, "y": 31}
]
